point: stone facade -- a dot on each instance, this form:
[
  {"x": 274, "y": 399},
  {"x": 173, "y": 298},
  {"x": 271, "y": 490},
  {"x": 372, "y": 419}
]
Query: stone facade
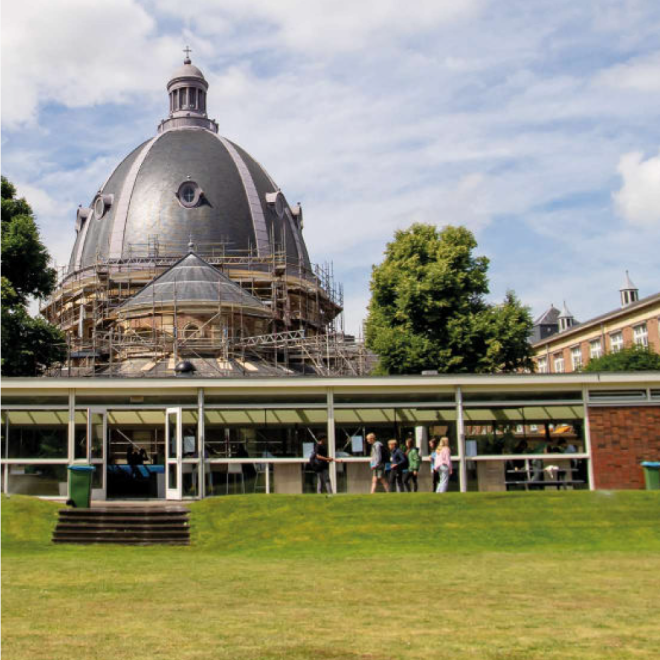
[{"x": 621, "y": 438}]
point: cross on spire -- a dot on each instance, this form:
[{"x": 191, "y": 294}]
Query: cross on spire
[{"x": 187, "y": 50}]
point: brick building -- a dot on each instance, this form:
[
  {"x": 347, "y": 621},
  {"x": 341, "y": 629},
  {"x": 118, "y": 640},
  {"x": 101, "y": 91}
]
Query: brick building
[
  {"x": 621, "y": 437},
  {"x": 562, "y": 345}
]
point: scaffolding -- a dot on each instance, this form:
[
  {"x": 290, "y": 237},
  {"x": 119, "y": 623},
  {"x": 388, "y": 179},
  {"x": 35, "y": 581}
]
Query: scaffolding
[{"x": 302, "y": 330}]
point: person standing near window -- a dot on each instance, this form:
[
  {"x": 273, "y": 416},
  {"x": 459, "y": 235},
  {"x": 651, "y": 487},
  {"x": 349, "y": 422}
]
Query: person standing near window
[
  {"x": 321, "y": 464},
  {"x": 443, "y": 465},
  {"x": 433, "y": 445},
  {"x": 398, "y": 463},
  {"x": 377, "y": 463},
  {"x": 414, "y": 463}
]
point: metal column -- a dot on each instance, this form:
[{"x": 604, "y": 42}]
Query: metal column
[
  {"x": 331, "y": 438},
  {"x": 201, "y": 447},
  {"x": 587, "y": 439},
  {"x": 71, "y": 437},
  {"x": 460, "y": 438}
]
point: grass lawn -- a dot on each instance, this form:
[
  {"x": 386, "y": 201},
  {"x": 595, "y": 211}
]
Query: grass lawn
[{"x": 517, "y": 575}]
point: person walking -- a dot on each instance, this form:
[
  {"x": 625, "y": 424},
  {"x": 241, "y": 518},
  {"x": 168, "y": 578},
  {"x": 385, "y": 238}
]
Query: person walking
[
  {"x": 398, "y": 463},
  {"x": 377, "y": 463},
  {"x": 414, "y": 463},
  {"x": 443, "y": 465},
  {"x": 433, "y": 445},
  {"x": 321, "y": 465}
]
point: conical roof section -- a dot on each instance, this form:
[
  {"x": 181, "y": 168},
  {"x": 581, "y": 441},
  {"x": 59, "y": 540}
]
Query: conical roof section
[
  {"x": 628, "y": 284},
  {"x": 193, "y": 280},
  {"x": 565, "y": 312}
]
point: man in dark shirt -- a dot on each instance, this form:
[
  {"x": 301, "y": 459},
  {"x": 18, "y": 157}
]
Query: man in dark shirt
[
  {"x": 321, "y": 464},
  {"x": 398, "y": 463}
]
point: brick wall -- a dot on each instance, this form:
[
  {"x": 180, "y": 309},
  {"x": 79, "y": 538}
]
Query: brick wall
[{"x": 621, "y": 438}]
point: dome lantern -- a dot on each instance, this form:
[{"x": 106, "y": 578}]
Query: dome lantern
[{"x": 187, "y": 89}]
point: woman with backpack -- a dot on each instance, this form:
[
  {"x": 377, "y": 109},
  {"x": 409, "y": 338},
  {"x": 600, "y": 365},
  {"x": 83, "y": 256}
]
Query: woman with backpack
[
  {"x": 414, "y": 463},
  {"x": 443, "y": 465}
]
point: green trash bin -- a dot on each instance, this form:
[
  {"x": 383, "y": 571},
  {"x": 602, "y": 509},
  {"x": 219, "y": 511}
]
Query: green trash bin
[
  {"x": 652, "y": 474},
  {"x": 80, "y": 485}
]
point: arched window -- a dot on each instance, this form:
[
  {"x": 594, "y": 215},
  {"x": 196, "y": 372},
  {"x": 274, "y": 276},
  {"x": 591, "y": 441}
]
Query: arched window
[{"x": 191, "y": 331}]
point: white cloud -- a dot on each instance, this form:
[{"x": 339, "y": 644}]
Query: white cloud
[
  {"x": 324, "y": 26},
  {"x": 639, "y": 74},
  {"x": 638, "y": 199},
  {"x": 77, "y": 53}
]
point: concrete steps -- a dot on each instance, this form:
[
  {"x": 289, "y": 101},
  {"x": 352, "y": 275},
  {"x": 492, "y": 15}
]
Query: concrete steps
[{"x": 124, "y": 526}]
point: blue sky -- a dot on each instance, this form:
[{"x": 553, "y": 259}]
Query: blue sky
[{"x": 535, "y": 124}]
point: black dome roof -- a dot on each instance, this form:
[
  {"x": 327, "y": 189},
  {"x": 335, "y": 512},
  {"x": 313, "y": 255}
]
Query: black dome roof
[{"x": 142, "y": 203}]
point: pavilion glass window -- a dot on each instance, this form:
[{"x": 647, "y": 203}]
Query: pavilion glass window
[
  {"x": 192, "y": 100},
  {"x": 37, "y": 434},
  {"x": 595, "y": 349},
  {"x": 641, "y": 335},
  {"x": 41, "y": 479},
  {"x": 616, "y": 341}
]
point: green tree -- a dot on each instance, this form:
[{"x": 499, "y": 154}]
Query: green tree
[
  {"x": 428, "y": 308},
  {"x": 633, "y": 358},
  {"x": 29, "y": 345},
  {"x": 507, "y": 328}
]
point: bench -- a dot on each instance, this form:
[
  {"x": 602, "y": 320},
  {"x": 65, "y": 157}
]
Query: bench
[{"x": 543, "y": 484}]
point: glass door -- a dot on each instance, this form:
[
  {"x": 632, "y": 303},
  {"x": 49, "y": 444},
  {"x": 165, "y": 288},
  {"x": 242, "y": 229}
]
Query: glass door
[
  {"x": 173, "y": 454},
  {"x": 191, "y": 476},
  {"x": 97, "y": 443}
]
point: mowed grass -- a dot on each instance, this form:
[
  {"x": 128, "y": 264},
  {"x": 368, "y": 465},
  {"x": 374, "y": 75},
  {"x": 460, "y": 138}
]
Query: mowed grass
[{"x": 519, "y": 575}]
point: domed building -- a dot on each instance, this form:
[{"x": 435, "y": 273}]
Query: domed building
[{"x": 190, "y": 253}]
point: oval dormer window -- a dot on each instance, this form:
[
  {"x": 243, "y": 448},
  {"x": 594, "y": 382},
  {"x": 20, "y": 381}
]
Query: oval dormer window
[
  {"x": 189, "y": 194},
  {"x": 102, "y": 204},
  {"x": 276, "y": 201}
]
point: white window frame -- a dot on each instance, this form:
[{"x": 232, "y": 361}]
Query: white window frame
[
  {"x": 576, "y": 358},
  {"x": 595, "y": 349},
  {"x": 641, "y": 334},
  {"x": 542, "y": 365},
  {"x": 557, "y": 362},
  {"x": 616, "y": 342}
]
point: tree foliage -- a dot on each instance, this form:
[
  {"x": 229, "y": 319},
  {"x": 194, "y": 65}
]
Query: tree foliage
[
  {"x": 633, "y": 358},
  {"x": 428, "y": 308},
  {"x": 29, "y": 345}
]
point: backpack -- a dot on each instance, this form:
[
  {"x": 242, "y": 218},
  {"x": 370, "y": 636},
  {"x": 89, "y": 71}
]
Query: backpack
[
  {"x": 314, "y": 463},
  {"x": 385, "y": 454}
]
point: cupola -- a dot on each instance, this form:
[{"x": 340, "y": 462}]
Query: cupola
[
  {"x": 187, "y": 89},
  {"x": 566, "y": 319},
  {"x": 629, "y": 292}
]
